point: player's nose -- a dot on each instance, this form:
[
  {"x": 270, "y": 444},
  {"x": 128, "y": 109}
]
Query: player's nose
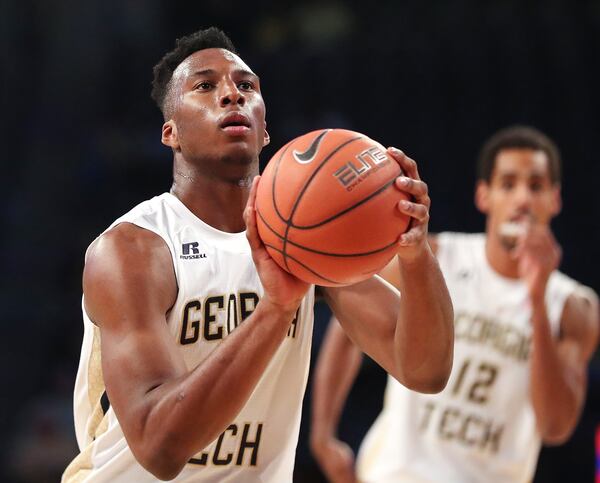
[
  {"x": 230, "y": 94},
  {"x": 523, "y": 195}
]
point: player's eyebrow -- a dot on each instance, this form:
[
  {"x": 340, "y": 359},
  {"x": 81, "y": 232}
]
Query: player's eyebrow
[{"x": 209, "y": 72}]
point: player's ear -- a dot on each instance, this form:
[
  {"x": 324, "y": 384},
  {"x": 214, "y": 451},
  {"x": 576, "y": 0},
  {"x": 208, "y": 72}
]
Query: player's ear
[
  {"x": 482, "y": 196},
  {"x": 556, "y": 200},
  {"x": 267, "y": 138},
  {"x": 170, "y": 136}
]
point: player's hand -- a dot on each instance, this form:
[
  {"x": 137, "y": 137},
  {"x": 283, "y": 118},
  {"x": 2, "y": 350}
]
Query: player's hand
[
  {"x": 281, "y": 288},
  {"x": 336, "y": 460},
  {"x": 414, "y": 242},
  {"x": 539, "y": 255}
]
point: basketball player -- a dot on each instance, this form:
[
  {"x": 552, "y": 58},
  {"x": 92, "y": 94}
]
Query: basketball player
[
  {"x": 196, "y": 345},
  {"x": 524, "y": 335}
]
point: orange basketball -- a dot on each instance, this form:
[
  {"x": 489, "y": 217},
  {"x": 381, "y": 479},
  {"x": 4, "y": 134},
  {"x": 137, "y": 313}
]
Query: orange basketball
[{"x": 327, "y": 207}]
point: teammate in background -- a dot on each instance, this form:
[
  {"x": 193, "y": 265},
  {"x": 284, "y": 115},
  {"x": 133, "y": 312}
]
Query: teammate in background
[
  {"x": 524, "y": 335},
  {"x": 196, "y": 346}
]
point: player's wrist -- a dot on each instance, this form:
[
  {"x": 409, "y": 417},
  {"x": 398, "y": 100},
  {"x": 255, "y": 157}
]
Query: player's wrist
[
  {"x": 415, "y": 257},
  {"x": 537, "y": 297},
  {"x": 319, "y": 441},
  {"x": 283, "y": 308}
]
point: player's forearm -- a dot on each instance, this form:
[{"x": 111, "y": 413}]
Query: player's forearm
[
  {"x": 337, "y": 366},
  {"x": 185, "y": 415},
  {"x": 424, "y": 336},
  {"x": 554, "y": 396}
]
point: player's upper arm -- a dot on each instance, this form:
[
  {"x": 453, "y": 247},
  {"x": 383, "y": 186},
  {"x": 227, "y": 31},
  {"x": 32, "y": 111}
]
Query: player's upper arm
[
  {"x": 129, "y": 286},
  {"x": 579, "y": 327}
]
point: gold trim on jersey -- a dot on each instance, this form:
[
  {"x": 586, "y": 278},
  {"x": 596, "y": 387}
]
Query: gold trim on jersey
[
  {"x": 97, "y": 423},
  {"x": 95, "y": 387}
]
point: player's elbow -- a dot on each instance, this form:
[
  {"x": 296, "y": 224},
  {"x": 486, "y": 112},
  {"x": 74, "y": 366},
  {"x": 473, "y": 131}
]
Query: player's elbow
[
  {"x": 161, "y": 457},
  {"x": 164, "y": 465},
  {"x": 431, "y": 384},
  {"x": 556, "y": 435},
  {"x": 428, "y": 378}
]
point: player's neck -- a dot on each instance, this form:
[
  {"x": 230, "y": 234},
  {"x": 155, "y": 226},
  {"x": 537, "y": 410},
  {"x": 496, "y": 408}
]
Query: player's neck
[
  {"x": 500, "y": 259},
  {"x": 216, "y": 201}
]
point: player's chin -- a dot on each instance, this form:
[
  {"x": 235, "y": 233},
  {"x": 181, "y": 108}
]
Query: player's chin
[
  {"x": 509, "y": 243},
  {"x": 240, "y": 153}
]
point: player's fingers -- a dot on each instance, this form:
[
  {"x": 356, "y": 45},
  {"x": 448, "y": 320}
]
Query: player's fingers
[
  {"x": 253, "y": 189},
  {"x": 415, "y": 187},
  {"x": 250, "y": 216},
  {"x": 412, "y": 236},
  {"x": 397, "y": 155},
  {"x": 408, "y": 165},
  {"x": 415, "y": 210}
]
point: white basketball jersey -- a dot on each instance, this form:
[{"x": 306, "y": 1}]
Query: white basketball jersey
[
  {"x": 218, "y": 288},
  {"x": 481, "y": 427}
]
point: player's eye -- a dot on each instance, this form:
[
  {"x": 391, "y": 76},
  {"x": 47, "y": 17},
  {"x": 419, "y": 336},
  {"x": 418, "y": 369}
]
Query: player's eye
[
  {"x": 246, "y": 86},
  {"x": 507, "y": 184},
  {"x": 535, "y": 186},
  {"x": 203, "y": 86}
]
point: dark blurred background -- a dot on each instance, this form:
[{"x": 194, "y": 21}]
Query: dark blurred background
[{"x": 81, "y": 145}]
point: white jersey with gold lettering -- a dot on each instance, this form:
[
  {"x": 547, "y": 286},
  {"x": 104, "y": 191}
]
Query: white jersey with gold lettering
[
  {"x": 218, "y": 288},
  {"x": 481, "y": 427}
]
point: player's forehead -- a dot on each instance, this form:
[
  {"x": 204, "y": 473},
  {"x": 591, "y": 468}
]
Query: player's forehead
[
  {"x": 523, "y": 162},
  {"x": 213, "y": 60}
]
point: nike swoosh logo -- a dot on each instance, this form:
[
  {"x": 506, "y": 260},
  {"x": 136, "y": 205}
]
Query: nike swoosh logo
[{"x": 308, "y": 155}]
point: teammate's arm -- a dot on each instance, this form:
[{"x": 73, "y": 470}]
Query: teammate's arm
[
  {"x": 559, "y": 368},
  {"x": 167, "y": 412},
  {"x": 337, "y": 366},
  {"x": 412, "y": 339}
]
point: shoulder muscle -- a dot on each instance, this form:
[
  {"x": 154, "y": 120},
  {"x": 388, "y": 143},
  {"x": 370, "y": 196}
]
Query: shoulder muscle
[{"x": 131, "y": 267}]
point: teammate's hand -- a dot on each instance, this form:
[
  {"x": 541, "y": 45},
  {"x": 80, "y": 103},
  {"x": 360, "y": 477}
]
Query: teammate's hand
[
  {"x": 539, "y": 255},
  {"x": 412, "y": 243},
  {"x": 336, "y": 460},
  {"x": 281, "y": 288}
]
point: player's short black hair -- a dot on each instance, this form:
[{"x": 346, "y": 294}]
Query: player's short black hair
[
  {"x": 209, "y": 38},
  {"x": 520, "y": 137}
]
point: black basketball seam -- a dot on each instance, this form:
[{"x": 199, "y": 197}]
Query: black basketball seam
[
  {"x": 305, "y": 187},
  {"x": 304, "y": 266},
  {"x": 319, "y": 252},
  {"x": 343, "y": 212}
]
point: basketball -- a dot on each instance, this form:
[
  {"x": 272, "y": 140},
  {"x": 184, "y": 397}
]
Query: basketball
[{"x": 327, "y": 207}]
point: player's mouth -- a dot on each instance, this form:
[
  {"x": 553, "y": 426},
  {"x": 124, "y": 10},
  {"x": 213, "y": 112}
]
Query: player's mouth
[
  {"x": 516, "y": 226},
  {"x": 235, "y": 123}
]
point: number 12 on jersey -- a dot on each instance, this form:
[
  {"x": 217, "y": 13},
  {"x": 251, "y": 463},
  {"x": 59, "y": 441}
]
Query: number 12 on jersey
[{"x": 475, "y": 381}]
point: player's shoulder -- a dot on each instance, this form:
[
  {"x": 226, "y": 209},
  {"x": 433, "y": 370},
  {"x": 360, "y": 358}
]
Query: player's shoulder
[
  {"x": 124, "y": 239},
  {"x": 127, "y": 266},
  {"x": 451, "y": 243},
  {"x": 584, "y": 301},
  {"x": 458, "y": 237},
  {"x": 581, "y": 317},
  {"x": 129, "y": 232}
]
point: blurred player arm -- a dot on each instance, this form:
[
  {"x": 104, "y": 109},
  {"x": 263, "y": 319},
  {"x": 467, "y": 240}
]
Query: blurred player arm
[
  {"x": 167, "y": 412},
  {"x": 337, "y": 366},
  {"x": 559, "y": 367}
]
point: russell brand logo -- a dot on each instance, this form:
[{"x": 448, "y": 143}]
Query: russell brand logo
[{"x": 190, "y": 251}]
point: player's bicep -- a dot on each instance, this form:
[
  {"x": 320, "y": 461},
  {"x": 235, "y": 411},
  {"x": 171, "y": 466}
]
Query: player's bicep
[
  {"x": 134, "y": 363},
  {"x": 578, "y": 336},
  {"x": 129, "y": 286}
]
